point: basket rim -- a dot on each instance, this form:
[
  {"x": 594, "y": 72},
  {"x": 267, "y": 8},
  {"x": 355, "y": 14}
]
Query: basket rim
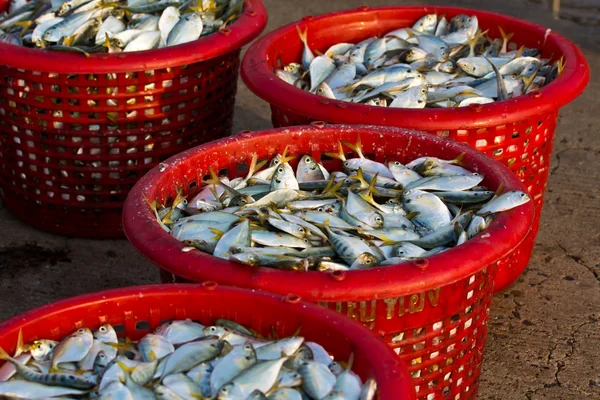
[
  {"x": 507, "y": 231},
  {"x": 247, "y": 27},
  {"x": 260, "y": 79},
  {"x": 391, "y": 379}
]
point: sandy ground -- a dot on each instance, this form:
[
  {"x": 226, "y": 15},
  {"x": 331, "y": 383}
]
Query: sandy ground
[{"x": 544, "y": 340}]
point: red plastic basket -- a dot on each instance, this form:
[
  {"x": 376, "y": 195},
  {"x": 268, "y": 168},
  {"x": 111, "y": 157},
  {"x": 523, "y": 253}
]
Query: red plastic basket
[
  {"x": 518, "y": 132},
  {"x": 135, "y": 311},
  {"x": 433, "y": 312},
  {"x": 76, "y": 133}
]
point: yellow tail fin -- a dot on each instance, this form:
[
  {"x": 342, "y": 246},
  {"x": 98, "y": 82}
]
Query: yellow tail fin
[
  {"x": 339, "y": 155},
  {"x": 505, "y": 39},
  {"x": 357, "y": 147},
  {"x": 303, "y": 35},
  {"x": 285, "y": 158},
  {"x": 4, "y": 355},
  {"x": 561, "y": 65}
]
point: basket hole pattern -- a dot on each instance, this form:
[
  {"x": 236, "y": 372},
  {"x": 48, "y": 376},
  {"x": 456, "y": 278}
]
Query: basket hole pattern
[
  {"x": 79, "y": 142},
  {"x": 445, "y": 356},
  {"x": 525, "y": 147}
]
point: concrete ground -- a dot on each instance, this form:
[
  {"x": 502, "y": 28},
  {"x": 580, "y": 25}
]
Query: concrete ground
[{"x": 544, "y": 339}]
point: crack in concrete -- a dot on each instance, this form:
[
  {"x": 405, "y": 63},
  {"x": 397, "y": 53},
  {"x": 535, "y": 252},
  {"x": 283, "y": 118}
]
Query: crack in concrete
[
  {"x": 558, "y": 154},
  {"x": 579, "y": 261}
]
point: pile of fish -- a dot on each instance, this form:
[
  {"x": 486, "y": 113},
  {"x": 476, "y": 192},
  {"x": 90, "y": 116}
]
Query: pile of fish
[
  {"x": 96, "y": 26},
  {"x": 180, "y": 360},
  {"x": 436, "y": 63},
  {"x": 370, "y": 214}
]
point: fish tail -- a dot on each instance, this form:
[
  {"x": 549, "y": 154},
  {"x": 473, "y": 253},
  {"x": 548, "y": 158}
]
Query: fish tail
[
  {"x": 339, "y": 155},
  {"x": 372, "y": 184},
  {"x": 218, "y": 233},
  {"x": 528, "y": 81},
  {"x": 303, "y": 35},
  {"x": 519, "y": 52},
  {"x": 350, "y": 361},
  {"x": 20, "y": 346},
  {"x": 561, "y": 64},
  {"x": 4, "y": 355},
  {"x": 297, "y": 332},
  {"x": 285, "y": 158},
  {"x": 333, "y": 190},
  {"x": 505, "y": 39},
  {"x": 499, "y": 190},
  {"x": 502, "y": 92},
  {"x": 459, "y": 160},
  {"x": 361, "y": 178},
  {"x": 349, "y": 88},
  {"x": 356, "y": 147},
  {"x": 214, "y": 179},
  {"x": 124, "y": 367},
  {"x": 254, "y": 166}
]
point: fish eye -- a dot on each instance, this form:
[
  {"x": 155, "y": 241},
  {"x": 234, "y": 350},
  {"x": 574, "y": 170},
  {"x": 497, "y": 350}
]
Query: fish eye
[
  {"x": 320, "y": 209},
  {"x": 102, "y": 355},
  {"x": 213, "y": 329},
  {"x": 423, "y": 91},
  {"x": 346, "y": 164},
  {"x": 102, "y": 329},
  {"x": 81, "y": 330},
  {"x": 378, "y": 219},
  {"x": 523, "y": 195},
  {"x": 281, "y": 170},
  {"x": 396, "y": 162},
  {"x": 305, "y": 240},
  {"x": 300, "y": 229},
  {"x": 320, "y": 90},
  {"x": 39, "y": 346},
  {"x": 474, "y": 69},
  {"x": 307, "y": 160},
  {"x": 401, "y": 252}
]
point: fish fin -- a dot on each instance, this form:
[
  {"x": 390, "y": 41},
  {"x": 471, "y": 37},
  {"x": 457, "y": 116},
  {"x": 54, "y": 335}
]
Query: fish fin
[
  {"x": 274, "y": 334},
  {"x": 317, "y": 52},
  {"x": 350, "y": 361},
  {"x": 20, "y": 346},
  {"x": 329, "y": 184},
  {"x": 459, "y": 160},
  {"x": 349, "y": 88},
  {"x": 372, "y": 184},
  {"x": 411, "y": 215},
  {"x": 339, "y": 155},
  {"x": 333, "y": 191},
  {"x": 151, "y": 356},
  {"x": 285, "y": 158},
  {"x": 218, "y": 233},
  {"x": 505, "y": 39},
  {"x": 387, "y": 241},
  {"x": 529, "y": 81},
  {"x": 361, "y": 177},
  {"x": 519, "y": 52},
  {"x": 68, "y": 40},
  {"x": 356, "y": 147},
  {"x": 54, "y": 370},
  {"x": 4, "y": 355},
  {"x": 303, "y": 35},
  {"x": 255, "y": 166},
  {"x": 561, "y": 64},
  {"x": 214, "y": 179},
  {"x": 125, "y": 368},
  {"x": 106, "y": 41},
  {"x": 499, "y": 190},
  {"x": 297, "y": 332},
  {"x": 502, "y": 92}
]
